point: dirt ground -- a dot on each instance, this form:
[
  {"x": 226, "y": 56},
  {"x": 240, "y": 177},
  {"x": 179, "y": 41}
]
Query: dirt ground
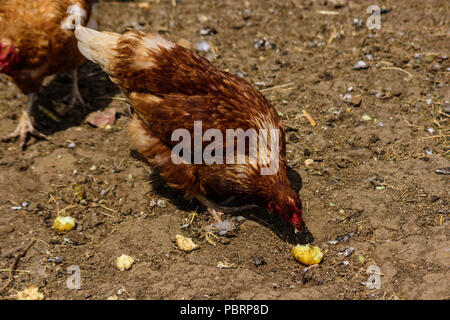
[{"x": 371, "y": 197}]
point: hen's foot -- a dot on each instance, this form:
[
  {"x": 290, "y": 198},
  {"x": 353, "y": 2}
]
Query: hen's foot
[
  {"x": 74, "y": 97},
  {"x": 24, "y": 128}
]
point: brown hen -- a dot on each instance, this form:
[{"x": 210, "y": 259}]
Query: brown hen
[
  {"x": 170, "y": 88},
  {"x": 36, "y": 41}
]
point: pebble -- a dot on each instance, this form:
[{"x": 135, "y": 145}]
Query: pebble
[
  {"x": 347, "y": 97},
  {"x": 346, "y": 251},
  {"x": 259, "y": 261},
  {"x": 447, "y": 108},
  {"x": 203, "y": 46},
  {"x": 207, "y": 31},
  {"x": 360, "y": 65},
  {"x": 71, "y": 145},
  {"x": 430, "y": 130},
  {"x": 15, "y": 208},
  {"x": 443, "y": 171},
  {"x": 263, "y": 44},
  {"x": 356, "y": 101},
  {"x": 338, "y": 3},
  {"x": 366, "y": 117},
  {"x": 161, "y": 203},
  {"x": 56, "y": 260}
]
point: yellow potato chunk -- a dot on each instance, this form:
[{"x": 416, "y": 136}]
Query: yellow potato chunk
[
  {"x": 185, "y": 244},
  {"x": 124, "y": 262},
  {"x": 307, "y": 255},
  {"x": 31, "y": 293},
  {"x": 64, "y": 224}
]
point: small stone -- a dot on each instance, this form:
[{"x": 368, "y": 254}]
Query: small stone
[
  {"x": 443, "y": 171},
  {"x": 360, "y": 65},
  {"x": 161, "y": 203},
  {"x": 203, "y": 46},
  {"x": 56, "y": 260},
  {"x": 259, "y": 261},
  {"x": 447, "y": 108},
  {"x": 346, "y": 251},
  {"x": 430, "y": 130},
  {"x": 71, "y": 145},
  {"x": 366, "y": 117},
  {"x": 347, "y": 97},
  {"x": 435, "y": 198},
  {"x": 356, "y": 101},
  {"x": 338, "y": 3},
  {"x": 309, "y": 162},
  {"x": 93, "y": 168},
  {"x": 207, "y": 31}
]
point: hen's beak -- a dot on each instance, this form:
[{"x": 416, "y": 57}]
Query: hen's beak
[{"x": 297, "y": 231}]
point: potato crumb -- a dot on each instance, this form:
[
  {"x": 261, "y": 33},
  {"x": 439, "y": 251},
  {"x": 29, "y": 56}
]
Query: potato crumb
[
  {"x": 307, "y": 255},
  {"x": 124, "y": 262}
]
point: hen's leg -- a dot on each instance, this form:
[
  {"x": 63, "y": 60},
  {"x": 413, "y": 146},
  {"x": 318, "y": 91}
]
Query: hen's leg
[
  {"x": 217, "y": 211},
  {"x": 76, "y": 96},
  {"x": 25, "y": 126},
  {"x": 228, "y": 201}
]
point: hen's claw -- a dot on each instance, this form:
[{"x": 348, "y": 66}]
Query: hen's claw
[{"x": 24, "y": 128}]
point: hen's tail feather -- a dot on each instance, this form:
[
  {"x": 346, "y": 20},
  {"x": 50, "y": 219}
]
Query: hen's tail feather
[{"x": 96, "y": 46}]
